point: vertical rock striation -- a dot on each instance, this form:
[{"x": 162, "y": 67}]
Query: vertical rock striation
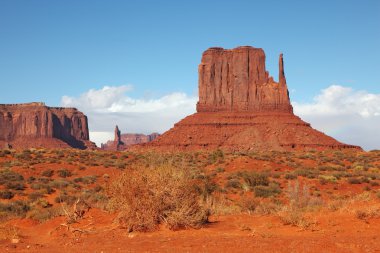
[
  {"x": 237, "y": 80},
  {"x": 241, "y": 107},
  {"x": 37, "y": 125}
]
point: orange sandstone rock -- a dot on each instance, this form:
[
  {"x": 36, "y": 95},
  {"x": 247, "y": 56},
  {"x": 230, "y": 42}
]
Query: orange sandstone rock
[
  {"x": 123, "y": 141},
  {"x": 236, "y": 80},
  {"x": 37, "y": 125},
  {"x": 242, "y": 108}
]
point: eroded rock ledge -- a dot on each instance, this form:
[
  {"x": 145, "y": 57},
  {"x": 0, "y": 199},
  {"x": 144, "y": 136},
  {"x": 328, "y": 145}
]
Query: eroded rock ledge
[{"x": 37, "y": 125}]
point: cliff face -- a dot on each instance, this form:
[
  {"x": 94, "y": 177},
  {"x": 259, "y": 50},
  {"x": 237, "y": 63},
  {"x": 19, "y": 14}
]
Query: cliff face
[
  {"x": 131, "y": 139},
  {"x": 123, "y": 141},
  {"x": 242, "y": 108},
  {"x": 237, "y": 80},
  {"x": 37, "y": 125}
]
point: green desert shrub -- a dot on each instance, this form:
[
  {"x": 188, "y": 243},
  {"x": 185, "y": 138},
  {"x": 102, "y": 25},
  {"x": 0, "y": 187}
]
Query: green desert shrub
[
  {"x": 290, "y": 176},
  {"x": 18, "y": 186},
  {"x": 7, "y": 176},
  {"x": 64, "y": 173},
  {"x": 233, "y": 183},
  {"x": 65, "y": 198},
  {"x": 324, "y": 179},
  {"x": 85, "y": 180},
  {"x": 255, "y": 179},
  {"x": 264, "y": 191},
  {"x": 42, "y": 214},
  {"x": 16, "y": 208},
  {"x": 307, "y": 172},
  {"x": 35, "y": 195},
  {"x": 216, "y": 156},
  {"x": 47, "y": 173},
  {"x": 354, "y": 180},
  {"x": 4, "y": 194}
]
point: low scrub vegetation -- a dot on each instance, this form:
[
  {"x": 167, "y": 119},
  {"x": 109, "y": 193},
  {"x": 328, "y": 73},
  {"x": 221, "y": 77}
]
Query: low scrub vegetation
[
  {"x": 181, "y": 190},
  {"x": 166, "y": 195}
]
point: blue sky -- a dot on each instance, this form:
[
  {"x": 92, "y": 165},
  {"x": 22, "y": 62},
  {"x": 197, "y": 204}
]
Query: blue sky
[{"x": 50, "y": 49}]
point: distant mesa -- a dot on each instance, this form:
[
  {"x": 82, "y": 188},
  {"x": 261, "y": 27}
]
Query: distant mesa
[
  {"x": 33, "y": 125},
  {"x": 241, "y": 107},
  {"x": 124, "y": 141}
]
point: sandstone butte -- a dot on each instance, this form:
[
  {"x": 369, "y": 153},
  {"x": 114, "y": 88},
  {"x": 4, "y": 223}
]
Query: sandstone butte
[
  {"x": 33, "y": 125},
  {"x": 124, "y": 141},
  {"x": 241, "y": 107}
]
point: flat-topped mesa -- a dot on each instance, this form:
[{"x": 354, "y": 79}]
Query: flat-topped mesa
[
  {"x": 124, "y": 141},
  {"x": 237, "y": 80},
  {"x": 37, "y": 125},
  {"x": 31, "y": 104}
]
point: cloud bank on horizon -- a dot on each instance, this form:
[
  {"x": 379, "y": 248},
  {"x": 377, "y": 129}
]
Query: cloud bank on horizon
[
  {"x": 349, "y": 115},
  {"x": 112, "y": 106}
]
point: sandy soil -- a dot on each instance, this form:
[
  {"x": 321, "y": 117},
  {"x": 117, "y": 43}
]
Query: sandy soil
[
  {"x": 333, "y": 232},
  {"x": 337, "y": 230}
]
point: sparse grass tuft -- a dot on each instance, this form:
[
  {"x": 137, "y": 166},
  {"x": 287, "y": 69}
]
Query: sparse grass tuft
[{"x": 167, "y": 195}]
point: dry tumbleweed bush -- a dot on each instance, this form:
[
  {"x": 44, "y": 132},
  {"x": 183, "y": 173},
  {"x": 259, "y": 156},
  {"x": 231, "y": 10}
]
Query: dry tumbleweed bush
[{"x": 148, "y": 197}]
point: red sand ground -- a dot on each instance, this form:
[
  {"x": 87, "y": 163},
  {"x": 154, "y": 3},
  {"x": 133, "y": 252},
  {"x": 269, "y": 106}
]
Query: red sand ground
[
  {"x": 334, "y": 232},
  {"x": 331, "y": 231}
]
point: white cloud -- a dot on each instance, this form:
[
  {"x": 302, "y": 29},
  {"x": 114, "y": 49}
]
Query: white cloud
[
  {"x": 111, "y": 106},
  {"x": 349, "y": 115},
  {"x": 101, "y": 137}
]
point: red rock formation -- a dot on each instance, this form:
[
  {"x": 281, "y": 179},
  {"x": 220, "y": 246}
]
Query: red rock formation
[
  {"x": 132, "y": 139},
  {"x": 36, "y": 125},
  {"x": 117, "y": 139},
  {"x": 123, "y": 141},
  {"x": 236, "y": 80},
  {"x": 242, "y": 108}
]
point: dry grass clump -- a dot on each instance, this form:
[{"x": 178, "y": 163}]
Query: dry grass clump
[
  {"x": 220, "y": 204},
  {"x": 300, "y": 202},
  {"x": 254, "y": 205},
  {"x": 363, "y": 206},
  {"x": 147, "y": 197},
  {"x": 368, "y": 212},
  {"x": 294, "y": 216}
]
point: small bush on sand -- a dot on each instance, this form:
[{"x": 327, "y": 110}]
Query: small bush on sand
[
  {"x": 64, "y": 173},
  {"x": 15, "y": 186},
  {"x": 65, "y": 198},
  {"x": 300, "y": 201},
  {"x": 16, "y": 208},
  {"x": 148, "y": 197},
  {"x": 255, "y": 179},
  {"x": 300, "y": 197},
  {"x": 44, "y": 214},
  {"x": 290, "y": 215},
  {"x": 47, "y": 173},
  {"x": 354, "y": 180},
  {"x": 233, "y": 183},
  {"x": 248, "y": 203},
  {"x": 219, "y": 204},
  {"x": 7, "y": 176},
  {"x": 367, "y": 212},
  {"x": 290, "y": 176},
  {"x": 262, "y": 191},
  {"x": 6, "y": 194}
]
